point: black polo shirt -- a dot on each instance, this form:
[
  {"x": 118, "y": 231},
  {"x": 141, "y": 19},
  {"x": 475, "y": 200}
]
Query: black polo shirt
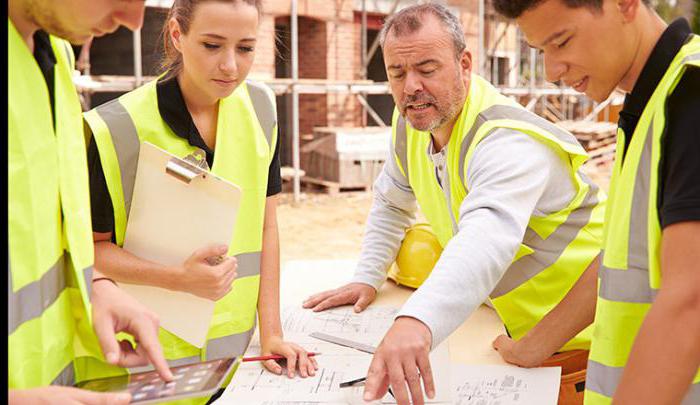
[
  {"x": 173, "y": 111},
  {"x": 45, "y": 58},
  {"x": 679, "y": 169}
]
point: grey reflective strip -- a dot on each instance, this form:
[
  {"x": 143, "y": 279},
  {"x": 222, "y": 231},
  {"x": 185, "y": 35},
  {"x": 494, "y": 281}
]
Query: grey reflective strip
[
  {"x": 638, "y": 244},
  {"x": 66, "y": 377},
  {"x": 87, "y": 275},
  {"x": 264, "y": 109},
  {"x": 498, "y": 112},
  {"x": 401, "y": 145},
  {"x": 547, "y": 251},
  {"x": 631, "y": 285},
  {"x": 126, "y": 143},
  {"x": 33, "y": 299},
  {"x": 605, "y": 379},
  {"x": 227, "y": 346},
  {"x": 248, "y": 264},
  {"x": 602, "y": 379}
]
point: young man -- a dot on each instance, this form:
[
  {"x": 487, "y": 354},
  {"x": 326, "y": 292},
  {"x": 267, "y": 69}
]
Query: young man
[
  {"x": 646, "y": 346},
  {"x": 50, "y": 248},
  {"x": 517, "y": 230}
]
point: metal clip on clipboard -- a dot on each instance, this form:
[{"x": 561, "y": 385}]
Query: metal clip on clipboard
[{"x": 188, "y": 168}]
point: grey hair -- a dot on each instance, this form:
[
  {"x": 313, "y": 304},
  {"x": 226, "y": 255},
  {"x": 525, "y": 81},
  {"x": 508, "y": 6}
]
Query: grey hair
[{"x": 408, "y": 21}]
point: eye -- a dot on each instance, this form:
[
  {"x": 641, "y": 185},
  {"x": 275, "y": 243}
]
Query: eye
[
  {"x": 209, "y": 45},
  {"x": 428, "y": 72},
  {"x": 246, "y": 49},
  {"x": 397, "y": 75},
  {"x": 563, "y": 44}
]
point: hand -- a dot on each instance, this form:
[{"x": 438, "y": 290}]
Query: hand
[
  {"x": 402, "y": 358},
  {"x": 517, "y": 352},
  {"x": 202, "y": 276},
  {"x": 296, "y": 357},
  {"x": 358, "y": 294},
  {"x": 115, "y": 311},
  {"x": 66, "y": 395}
]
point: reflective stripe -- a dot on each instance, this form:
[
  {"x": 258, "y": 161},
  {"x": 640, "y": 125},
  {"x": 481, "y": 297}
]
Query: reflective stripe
[
  {"x": 547, "y": 251},
  {"x": 66, "y": 377},
  {"x": 498, "y": 112},
  {"x": 602, "y": 379},
  {"x": 401, "y": 145},
  {"x": 126, "y": 144},
  {"x": 231, "y": 345},
  {"x": 605, "y": 379},
  {"x": 248, "y": 264},
  {"x": 33, "y": 299},
  {"x": 638, "y": 243},
  {"x": 264, "y": 109},
  {"x": 631, "y": 285}
]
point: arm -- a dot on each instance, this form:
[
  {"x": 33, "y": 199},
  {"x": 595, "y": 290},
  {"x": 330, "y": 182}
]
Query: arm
[
  {"x": 667, "y": 343},
  {"x": 574, "y": 313},
  {"x": 503, "y": 195},
  {"x": 196, "y": 275},
  {"x": 54, "y": 394},
  {"x": 271, "y": 335},
  {"x": 392, "y": 212}
]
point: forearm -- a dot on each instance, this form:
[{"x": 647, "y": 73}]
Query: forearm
[
  {"x": 116, "y": 263},
  {"x": 269, "y": 297},
  {"x": 392, "y": 212},
  {"x": 573, "y": 314}
]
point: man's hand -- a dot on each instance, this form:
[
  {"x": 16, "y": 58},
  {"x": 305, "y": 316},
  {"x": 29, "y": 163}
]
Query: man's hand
[
  {"x": 517, "y": 352},
  {"x": 66, "y": 395},
  {"x": 402, "y": 358},
  {"x": 207, "y": 273},
  {"x": 115, "y": 311},
  {"x": 358, "y": 294}
]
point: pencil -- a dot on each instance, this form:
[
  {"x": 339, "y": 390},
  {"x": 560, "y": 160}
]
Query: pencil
[{"x": 274, "y": 357}]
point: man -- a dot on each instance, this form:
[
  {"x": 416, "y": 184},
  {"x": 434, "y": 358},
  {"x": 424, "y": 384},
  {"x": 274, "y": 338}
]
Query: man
[
  {"x": 501, "y": 188},
  {"x": 50, "y": 249},
  {"x": 646, "y": 346}
]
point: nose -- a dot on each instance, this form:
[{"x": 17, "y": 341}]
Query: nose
[
  {"x": 554, "y": 69},
  {"x": 130, "y": 14},
  {"x": 413, "y": 83},
  {"x": 228, "y": 64}
]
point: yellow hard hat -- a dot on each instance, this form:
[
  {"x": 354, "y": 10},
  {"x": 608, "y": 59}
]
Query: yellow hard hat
[{"x": 419, "y": 252}]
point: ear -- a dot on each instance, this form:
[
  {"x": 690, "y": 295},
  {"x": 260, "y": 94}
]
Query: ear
[
  {"x": 465, "y": 62},
  {"x": 175, "y": 33},
  {"x": 628, "y": 9}
]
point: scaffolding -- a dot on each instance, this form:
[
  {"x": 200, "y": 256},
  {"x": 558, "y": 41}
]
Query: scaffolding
[{"x": 555, "y": 103}]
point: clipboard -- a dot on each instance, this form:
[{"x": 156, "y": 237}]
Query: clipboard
[{"x": 177, "y": 207}]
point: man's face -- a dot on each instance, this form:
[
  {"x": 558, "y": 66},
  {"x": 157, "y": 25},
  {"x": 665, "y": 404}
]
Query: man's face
[
  {"x": 428, "y": 83},
  {"x": 78, "y": 20},
  {"x": 590, "y": 50}
]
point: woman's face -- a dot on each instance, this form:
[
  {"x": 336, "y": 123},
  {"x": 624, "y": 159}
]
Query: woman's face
[{"x": 219, "y": 48}]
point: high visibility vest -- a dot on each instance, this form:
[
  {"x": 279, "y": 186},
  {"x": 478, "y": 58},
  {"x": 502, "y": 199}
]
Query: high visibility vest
[
  {"x": 556, "y": 249},
  {"x": 630, "y": 274},
  {"x": 50, "y": 240},
  {"x": 245, "y": 142}
]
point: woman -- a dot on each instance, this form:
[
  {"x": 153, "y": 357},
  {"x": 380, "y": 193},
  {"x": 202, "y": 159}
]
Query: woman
[{"x": 201, "y": 101}]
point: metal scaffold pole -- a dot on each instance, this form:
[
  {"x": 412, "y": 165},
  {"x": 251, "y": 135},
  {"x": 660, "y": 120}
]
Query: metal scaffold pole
[
  {"x": 138, "y": 74},
  {"x": 295, "y": 102}
]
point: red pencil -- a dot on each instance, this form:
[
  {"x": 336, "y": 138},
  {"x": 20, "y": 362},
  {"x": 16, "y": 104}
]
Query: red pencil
[{"x": 274, "y": 357}]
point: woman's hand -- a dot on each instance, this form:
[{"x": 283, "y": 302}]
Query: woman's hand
[
  {"x": 295, "y": 355},
  {"x": 205, "y": 274}
]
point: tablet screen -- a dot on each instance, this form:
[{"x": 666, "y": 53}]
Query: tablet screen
[{"x": 190, "y": 380}]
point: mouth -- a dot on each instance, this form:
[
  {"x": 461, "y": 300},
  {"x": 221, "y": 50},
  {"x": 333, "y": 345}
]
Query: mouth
[
  {"x": 419, "y": 107},
  {"x": 580, "y": 85},
  {"x": 224, "y": 82}
]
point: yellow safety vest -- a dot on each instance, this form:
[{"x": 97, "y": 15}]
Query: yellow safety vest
[
  {"x": 556, "y": 249},
  {"x": 50, "y": 239},
  {"x": 245, "y": 142},
  {"x": 630, "y": 274}
]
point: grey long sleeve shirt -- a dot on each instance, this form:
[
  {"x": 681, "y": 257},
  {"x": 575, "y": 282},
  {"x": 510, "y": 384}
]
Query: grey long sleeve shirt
[{"x": 510, "y": 178}]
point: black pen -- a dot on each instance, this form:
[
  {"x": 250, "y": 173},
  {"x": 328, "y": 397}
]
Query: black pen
[{"x": 358, "y": 381}]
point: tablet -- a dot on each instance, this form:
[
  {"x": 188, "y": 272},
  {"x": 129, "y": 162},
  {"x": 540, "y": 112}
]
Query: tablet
[{"x": 190, "y": 380}]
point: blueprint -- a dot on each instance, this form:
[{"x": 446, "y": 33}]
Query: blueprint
[{"x": 504, "y": 385}]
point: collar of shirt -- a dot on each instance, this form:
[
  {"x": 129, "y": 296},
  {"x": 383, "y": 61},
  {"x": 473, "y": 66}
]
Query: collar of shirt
[
  {"x": 174, "y": 112},
  {"x": 671, "y": 41}
]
